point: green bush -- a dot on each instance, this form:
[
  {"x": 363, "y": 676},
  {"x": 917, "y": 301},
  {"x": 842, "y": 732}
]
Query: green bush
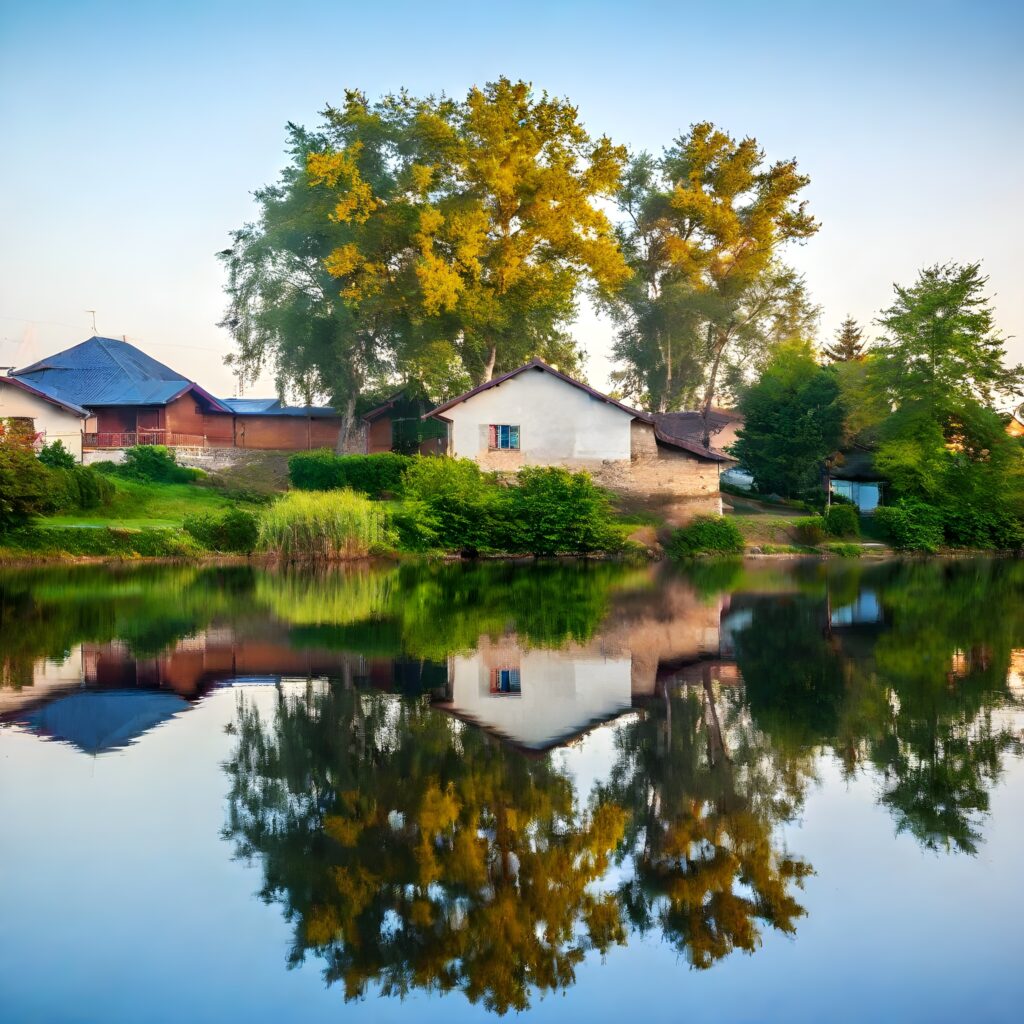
[
  {"x": 706, "y": 535},
  {"x": 841, "y": 550},
  {"x": 553, "y": 511},
  {"x": 236, "y": 531},
  {"x": 157, "y": 543},
  {"x": 322, "y": 470},
  {"x": 450, "y": 505},
  {"x": 23, "y": 478},
  {"x": 982, "y": 525},
  {"x": 809, "y": 530},
  {"x": 76, "y": 489},
  {"x": 55, "y": 456},
  {"x": 301, "y": 526},
  {"x": 153, "y": 463},
  {"x": 841, "y": 521},
  {"x": 911, "y": 525}
]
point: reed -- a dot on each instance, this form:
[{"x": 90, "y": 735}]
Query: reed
[{"x": 304, "y": 526}]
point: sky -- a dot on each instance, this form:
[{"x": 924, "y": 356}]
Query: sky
[{"x": 133, "y": 134}]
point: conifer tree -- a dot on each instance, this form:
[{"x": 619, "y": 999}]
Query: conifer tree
[{"x": 849, "y": 344}]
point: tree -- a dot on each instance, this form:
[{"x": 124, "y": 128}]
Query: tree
[
  {"x": 940, "y": 345},
  {"x": 285, "y": 307},
  {"x": 792, "y": 421},
  {"x": 499, "y": 193},
  {"x": 849, "y": 344},
  {"x": 705, "y": 224},
  {"x": 23, "y": 478}
]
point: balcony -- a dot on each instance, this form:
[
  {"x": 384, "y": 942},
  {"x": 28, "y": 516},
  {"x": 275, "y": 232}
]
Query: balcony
[{"x": 128, "y": 439}]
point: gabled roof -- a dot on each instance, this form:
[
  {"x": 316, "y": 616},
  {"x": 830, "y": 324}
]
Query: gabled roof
[
  {"x": 104, "y": 371},
  {"x": 21, "y": 385},
  {"x": 694, "y": 447},
  {"x": 537, "y": 364}
]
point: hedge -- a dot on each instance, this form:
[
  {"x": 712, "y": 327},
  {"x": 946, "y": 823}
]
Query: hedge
[
  {"x": 156, "y": 543},
  {"x": 235, "y": 531},
  {"x": 322, "y": 470},
  {"x": 706, "y": 535},
  {"x": 841, "y": 521}
]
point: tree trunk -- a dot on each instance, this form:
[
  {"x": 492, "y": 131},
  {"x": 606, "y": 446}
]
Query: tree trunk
[
  {"x": 492, "y": 357},
  {"x": 348, "y": 419},
  {"x": 721, "y": 340}
]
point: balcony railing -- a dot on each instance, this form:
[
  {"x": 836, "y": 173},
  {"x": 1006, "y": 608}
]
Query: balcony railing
[{"x": 130, "y": 438}]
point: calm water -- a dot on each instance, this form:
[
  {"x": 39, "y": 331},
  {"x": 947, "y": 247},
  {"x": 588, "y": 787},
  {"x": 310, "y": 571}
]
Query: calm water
[{"x": 753, "y": 793}]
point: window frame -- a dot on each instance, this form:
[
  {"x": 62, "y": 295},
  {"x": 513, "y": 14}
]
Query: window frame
[{"x": 512, "y": 437}]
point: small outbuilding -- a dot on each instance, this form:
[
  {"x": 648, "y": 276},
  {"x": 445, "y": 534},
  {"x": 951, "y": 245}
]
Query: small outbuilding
[
  {"x": 537, "y": 416},
  {"x": 48, "y": 417}
]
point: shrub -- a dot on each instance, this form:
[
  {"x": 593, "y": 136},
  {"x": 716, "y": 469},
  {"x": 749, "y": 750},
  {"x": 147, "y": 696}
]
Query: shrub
[
  {"x": 23, "y": 478},
  {"x": 154, "y": 463},
  {"x": 55, "y": 456},
  {"x": 76, "y": 489},
  {"x": 235, "y": 531},
  {"x": 451, "y": 505},
  {"x": 156, "y": 543},
  {"x": 809, "y": 530},
  {"x": 911, "y": 525},
  {"x": 553, "y": 511},
  {"x": 706, "y": 535},
  {"x": 322, "y": 470},
  {"x": 841, "y": 521},
  {"x": 970, "y": 524},
  {"x": 841, "y": 550},
  {"x": 300, "y": 526}
]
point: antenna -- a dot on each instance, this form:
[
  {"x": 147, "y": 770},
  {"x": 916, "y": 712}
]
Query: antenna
[{"x": 93, "y": 311}]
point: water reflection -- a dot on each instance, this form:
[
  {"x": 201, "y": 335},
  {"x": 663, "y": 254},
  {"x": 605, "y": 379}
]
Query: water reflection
[{"x": 405, "y": 798}]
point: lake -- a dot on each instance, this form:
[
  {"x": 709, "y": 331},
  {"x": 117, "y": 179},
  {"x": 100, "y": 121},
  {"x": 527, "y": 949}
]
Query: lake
[{"x": 774, "y": 791}]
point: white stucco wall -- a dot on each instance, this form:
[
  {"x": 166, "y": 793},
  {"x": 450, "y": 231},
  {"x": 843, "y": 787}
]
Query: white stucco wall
[
  {"x": 56, "y": 423},
  {"x": 559, "y": 424},
  {"x": 562, "y": 692}
]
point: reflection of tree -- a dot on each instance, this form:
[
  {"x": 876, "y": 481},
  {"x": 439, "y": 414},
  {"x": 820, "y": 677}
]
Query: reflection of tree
[
  {"x": 913, "y": 695},
  {"x": 707, "y": 794},
  {"x": 415, "y": 852}
]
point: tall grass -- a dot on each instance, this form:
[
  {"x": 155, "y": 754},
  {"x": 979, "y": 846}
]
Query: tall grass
[{"x": 324, "y": 526}]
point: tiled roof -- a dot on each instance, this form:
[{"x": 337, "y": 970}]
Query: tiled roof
[
  {"x": 52, "y": 399},
  {"x": 104, "y": 371}
]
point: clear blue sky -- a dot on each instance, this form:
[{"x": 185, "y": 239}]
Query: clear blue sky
[{"x": 134, "y": 132}]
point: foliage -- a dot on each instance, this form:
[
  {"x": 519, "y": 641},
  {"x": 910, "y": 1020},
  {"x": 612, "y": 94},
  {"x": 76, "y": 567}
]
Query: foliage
[
  {"x": 554, "y": 511},
  {"x": 322, "y": 470},
  {"x": 237, "y": 530},
  {"x": 101, "y": 542},
  {"x": 841, "y": 520},
  {"x": 706, "y": 535},
  {"x": 792, "y": 422},
  {"x": 912, "y": 525},
  {"x": 78, "y": 488},
  {"x": 849, "y": 344},
  {"x": 845, "y": 550},
  {"x": 23, "y": 478},
  {"x": 151, "y": 463},
  {"x": 810, "y": 530},
  {"x": 55, "y": 456},
  {"x": 704, "y": 226},
  {"x": 324, "y": 525}
]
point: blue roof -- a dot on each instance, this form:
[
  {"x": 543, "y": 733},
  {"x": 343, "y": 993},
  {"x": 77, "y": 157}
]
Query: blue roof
[
  {"x": 104, "y": 371},
  {"x": 251, "y": 404}
]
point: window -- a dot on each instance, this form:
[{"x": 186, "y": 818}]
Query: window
[
  {"x": 505, "y": 680},
  {"x": 503, "y": 437}
]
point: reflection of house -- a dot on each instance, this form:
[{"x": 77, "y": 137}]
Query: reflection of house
[
  {"x": 537, "y": 416},
  {"x": 536, "y": 698}
]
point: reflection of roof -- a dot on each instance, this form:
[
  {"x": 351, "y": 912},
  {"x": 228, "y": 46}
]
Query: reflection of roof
[
  {"x": 52, "y": 399},
  {"x": 98, "y": 722},
  {"x": 104, "y": 371},
  {"x": 693, "y": 446}
]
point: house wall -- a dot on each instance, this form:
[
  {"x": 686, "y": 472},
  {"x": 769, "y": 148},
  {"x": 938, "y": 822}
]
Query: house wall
[
  {"x": 285, "y": 433},
  {"x": 378, "y": 435},
  {"x": 559, "y": 425},
  {"x": 56, "y": 423}
]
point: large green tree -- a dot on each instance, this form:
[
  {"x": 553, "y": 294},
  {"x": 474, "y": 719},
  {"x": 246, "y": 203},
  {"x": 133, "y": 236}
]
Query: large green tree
[
  {"x": 792, "y": 421},
  {"x": 703, "y": 231}
]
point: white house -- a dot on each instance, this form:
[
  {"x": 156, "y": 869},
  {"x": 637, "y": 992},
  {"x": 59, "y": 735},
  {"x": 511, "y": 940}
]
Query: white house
[
  {"x": 538, "y": 416},
  {"x": 51, "y": 418}
]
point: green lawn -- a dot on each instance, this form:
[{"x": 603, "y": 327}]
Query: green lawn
[{"x": 140, "y": 506}]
